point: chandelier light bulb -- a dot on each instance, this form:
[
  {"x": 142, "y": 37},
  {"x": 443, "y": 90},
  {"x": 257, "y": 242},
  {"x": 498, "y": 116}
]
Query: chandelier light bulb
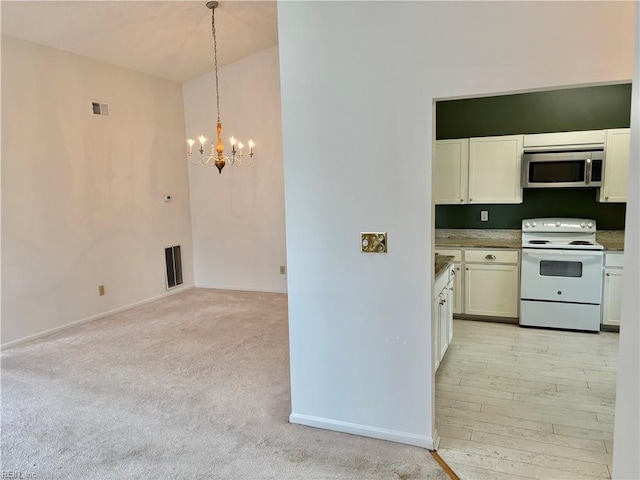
[
  {"x": 202, "y": 140},
  {"x": 233, "y": 141}
]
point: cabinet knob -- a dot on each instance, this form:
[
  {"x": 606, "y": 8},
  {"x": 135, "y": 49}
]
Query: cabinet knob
[
  {"x": 471, "y": 199},
  {"x": 467, "y": 269},
  {"x": 608, "y": 274},
  {"x": 462, "y": 200},
  {"x": 490, "y": 257},
  {"x": 606, "y": 198}
]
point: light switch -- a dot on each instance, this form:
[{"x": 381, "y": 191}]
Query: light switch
[
  {"x": 484, "y": 215},
  {"x": 373, "y": 242}
]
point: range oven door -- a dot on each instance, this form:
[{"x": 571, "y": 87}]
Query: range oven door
[{"x": 573, "y": 276}]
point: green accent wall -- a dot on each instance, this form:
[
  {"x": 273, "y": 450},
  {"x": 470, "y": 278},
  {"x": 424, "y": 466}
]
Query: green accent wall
[
  {"x": 537, "y": 202},
  {"x": 585, "y": 108}
]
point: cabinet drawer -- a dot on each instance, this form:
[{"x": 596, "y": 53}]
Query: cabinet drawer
[
  {"x": 491, "y": 256},
  {"x": 456, "y": 254},
  {"x": 614, "y": 259}
]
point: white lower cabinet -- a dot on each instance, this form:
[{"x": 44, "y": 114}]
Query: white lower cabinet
[
  {"x": 612, "y": 295},
  {"x": 486, "y": 281},
  {"x": 458, "y": 274},
  {"x": 442, "y": 315},
  {"x": 491, "y": 290}
]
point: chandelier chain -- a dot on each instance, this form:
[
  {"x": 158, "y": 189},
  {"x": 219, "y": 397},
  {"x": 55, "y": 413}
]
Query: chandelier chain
[{"x": 215, "y": 58}]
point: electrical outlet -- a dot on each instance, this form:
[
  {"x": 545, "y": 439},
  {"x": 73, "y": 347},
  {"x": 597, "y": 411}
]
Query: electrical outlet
[
  {"x": 484, "y": 215},
  {"x": 100, "y": 290},
  {"x": 283, "y": 270}
]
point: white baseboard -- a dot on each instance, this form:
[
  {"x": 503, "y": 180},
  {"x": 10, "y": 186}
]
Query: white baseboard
[
  {"x": 363, "y": 430},
  {"x": 51, "y": 331},
  {"x": 436, "y": 440},
  {"x": 241, "y": 289}
]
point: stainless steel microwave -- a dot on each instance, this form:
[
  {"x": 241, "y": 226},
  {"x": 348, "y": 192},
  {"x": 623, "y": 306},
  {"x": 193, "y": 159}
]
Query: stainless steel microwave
[{"x": 562, "y": 168}]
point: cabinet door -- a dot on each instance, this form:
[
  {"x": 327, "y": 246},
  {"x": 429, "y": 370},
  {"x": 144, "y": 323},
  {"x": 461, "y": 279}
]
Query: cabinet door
[
  {"x": 612, "y": 299},
  {"x": 450, "y": 172},
  {"x": 495, "y": 169},
  {"x": 491, "y": 290},
  {"x": 457, "y": 296},
  {"x": 450, "y": 312},
  {"x": 616, "y": 166},
  {"x": 445, "y": 312},
  {"x": 435, "y": 332}
]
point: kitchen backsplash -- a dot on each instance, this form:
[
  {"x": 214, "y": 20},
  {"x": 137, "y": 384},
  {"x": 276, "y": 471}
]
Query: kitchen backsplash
[{"x": 537, "y": 203}]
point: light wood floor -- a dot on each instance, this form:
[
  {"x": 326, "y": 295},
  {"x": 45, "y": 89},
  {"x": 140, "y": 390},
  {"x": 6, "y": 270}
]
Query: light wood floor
[{"x": 515, "y": 403}]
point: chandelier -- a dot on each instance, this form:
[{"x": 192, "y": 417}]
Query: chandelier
[{"x": 237, "y": 158}]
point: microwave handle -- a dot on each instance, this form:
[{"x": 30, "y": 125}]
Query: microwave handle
[{"x": 587, "y": 173}]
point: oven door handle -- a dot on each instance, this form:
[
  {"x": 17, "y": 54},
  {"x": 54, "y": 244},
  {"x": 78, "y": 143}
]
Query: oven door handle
[{"x": 544, "y": 254}]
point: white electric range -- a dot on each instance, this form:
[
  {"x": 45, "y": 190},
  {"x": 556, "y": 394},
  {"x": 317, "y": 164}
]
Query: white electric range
[{"x": 561, "y": 274}]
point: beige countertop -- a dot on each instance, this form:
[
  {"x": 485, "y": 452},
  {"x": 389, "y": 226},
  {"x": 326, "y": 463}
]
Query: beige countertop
[
  {"x": 488, "y": 242},
  {"x": 612, "y": 245},
  {"x": 612, "y": 240},
  {"x": 442, "y": 262}
]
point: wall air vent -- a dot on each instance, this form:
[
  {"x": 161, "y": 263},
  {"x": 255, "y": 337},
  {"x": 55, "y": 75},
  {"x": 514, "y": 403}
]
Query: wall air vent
[
  {"x": 100, "y": 108},
  {"x": 173, "y": 259}
]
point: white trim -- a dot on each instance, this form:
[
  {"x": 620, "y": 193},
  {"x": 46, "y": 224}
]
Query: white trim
[
  {"x": 243, "y": 289},
  {"x": 436, "y": 438},
  {"x": 51, "y": 331},
  {"x": 364, "y": 430}
]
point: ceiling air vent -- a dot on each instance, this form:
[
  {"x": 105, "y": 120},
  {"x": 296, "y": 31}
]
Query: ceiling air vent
[{"x": 100, "y": 108}]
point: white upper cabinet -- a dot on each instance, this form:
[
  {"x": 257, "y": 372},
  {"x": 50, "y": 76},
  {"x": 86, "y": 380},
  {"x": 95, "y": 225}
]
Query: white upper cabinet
[
  {"x": 560, "y": 139},
  {"x": 495, "y": 169},
  {"x": 616, "y": 166},
  {"x": 450, "y": 171}
]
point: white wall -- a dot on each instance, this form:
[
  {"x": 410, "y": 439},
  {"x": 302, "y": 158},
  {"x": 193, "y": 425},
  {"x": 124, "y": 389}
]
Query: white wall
[
  {"x": 626, "y": 461},
  {"x": 238, "y": 216},
  {"x": 358, "y": 82},
  {"x": 82, "y": 195}
]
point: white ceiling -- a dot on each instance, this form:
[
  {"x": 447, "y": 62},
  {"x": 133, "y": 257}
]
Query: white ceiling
[{"x": 166, "y": 39}]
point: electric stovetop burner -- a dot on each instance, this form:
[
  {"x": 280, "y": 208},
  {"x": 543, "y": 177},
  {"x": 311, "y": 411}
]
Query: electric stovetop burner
[
  {"x": 580, "y": 242},
  {"x": 539, "y": 242}
]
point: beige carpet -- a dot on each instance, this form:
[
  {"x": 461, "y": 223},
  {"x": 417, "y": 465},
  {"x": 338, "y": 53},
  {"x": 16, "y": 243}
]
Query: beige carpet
[{"x": 192, "y": 386}]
